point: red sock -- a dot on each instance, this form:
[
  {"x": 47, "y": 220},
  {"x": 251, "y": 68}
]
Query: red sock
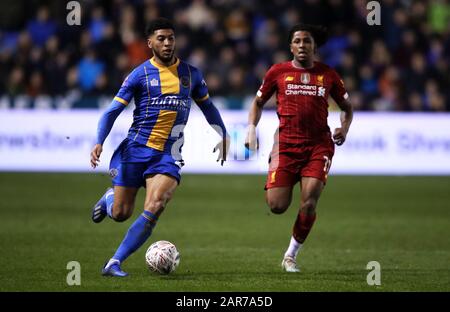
[{"x": 302, "y": 226}]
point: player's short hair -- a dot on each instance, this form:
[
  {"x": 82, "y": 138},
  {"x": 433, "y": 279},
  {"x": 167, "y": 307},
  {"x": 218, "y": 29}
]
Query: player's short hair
[
  {"x": 318, "y": 32},
  {"x": 159, "y": 23}
]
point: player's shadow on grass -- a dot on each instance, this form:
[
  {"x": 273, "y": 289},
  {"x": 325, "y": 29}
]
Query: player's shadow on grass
[{"x": 304, "y": 275}]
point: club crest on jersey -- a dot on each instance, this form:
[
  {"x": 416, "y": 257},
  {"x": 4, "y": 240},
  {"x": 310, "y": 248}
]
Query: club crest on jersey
[
  {"x": 320, "y": 80},
  {"x": 113, "y": 172},
  {"x": 154, "y": 82},
  {"x": 185, "y": 81},
  {"x": 304, "y": 78}
]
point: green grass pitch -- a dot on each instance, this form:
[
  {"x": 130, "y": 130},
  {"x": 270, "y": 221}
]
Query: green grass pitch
[{"x": 227, "y": 238}]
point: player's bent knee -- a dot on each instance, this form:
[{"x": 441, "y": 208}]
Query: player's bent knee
[
  {"x": 121, "y": 213},
  {"x": 120, "y": 216},
  {"x": 277, "y": 207}
]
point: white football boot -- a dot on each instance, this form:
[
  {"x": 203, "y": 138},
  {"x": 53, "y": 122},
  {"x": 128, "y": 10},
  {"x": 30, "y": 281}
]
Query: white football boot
[{"x": 289, "y": 264}]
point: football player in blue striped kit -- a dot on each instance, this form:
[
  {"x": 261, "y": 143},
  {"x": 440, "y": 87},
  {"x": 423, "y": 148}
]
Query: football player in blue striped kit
[{"x": 162, "y": 88}]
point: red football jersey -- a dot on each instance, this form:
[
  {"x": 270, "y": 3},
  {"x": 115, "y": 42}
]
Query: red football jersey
[{"x": 302, "y": 99}]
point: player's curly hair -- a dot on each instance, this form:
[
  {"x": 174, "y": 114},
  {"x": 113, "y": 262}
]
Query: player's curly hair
[
  {"x": 159, "y": 23},
  {"x": 318, "y": 32}
]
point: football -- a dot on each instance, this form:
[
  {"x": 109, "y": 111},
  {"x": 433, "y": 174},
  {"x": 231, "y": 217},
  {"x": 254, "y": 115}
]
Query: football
[{"x": 162, "y": 257}]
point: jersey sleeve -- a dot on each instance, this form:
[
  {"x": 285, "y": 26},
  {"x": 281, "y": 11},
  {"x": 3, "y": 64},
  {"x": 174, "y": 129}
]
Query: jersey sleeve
[
  {"x": 199, "y": 88},
  {"x": 338, "y": 92},
  {"x": 269, "y": 85},
  {"x": 127, "y": 90}
]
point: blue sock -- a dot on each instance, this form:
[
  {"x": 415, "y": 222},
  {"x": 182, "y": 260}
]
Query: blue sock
[
  {"x": 137, "y": 234},
  {"x": 109, "y": 204}
]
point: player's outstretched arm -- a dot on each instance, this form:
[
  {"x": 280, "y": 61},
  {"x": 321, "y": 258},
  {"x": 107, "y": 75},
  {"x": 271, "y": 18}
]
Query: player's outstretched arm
[
  {"x": 213, "y": 117},
  {"x": 104, "y": 127},
  {"x": 254, "y": 116},
  {"x": 340, "y": 134}
]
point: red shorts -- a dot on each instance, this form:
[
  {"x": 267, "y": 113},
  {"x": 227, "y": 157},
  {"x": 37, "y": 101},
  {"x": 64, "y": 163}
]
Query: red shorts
[{"x": 288, "y": 164}]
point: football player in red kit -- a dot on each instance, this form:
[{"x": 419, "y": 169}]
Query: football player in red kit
[{"x": 303, "y": 145}]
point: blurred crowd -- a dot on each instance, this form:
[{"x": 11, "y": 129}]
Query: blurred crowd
[{"x": 402, "y": 65}]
